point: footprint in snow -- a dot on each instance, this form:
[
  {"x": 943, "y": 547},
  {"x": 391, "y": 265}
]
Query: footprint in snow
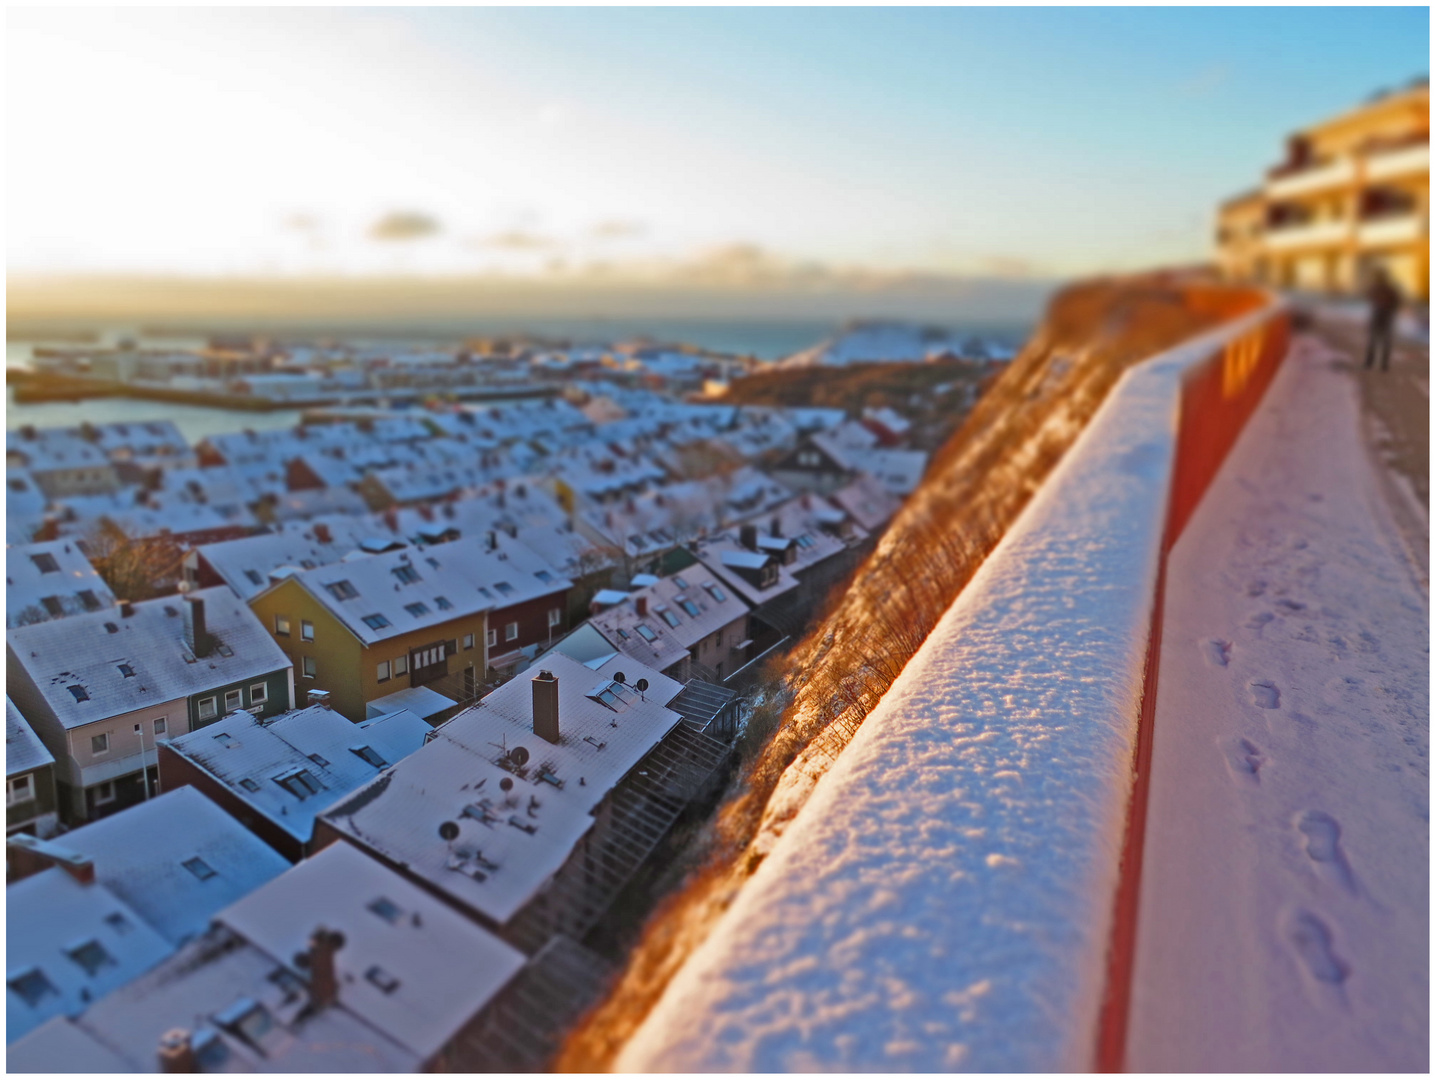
[
  {"x": 1310, "y": 938},
  {"x": 1264, "y": 694},
  {"x": 1217, "y": 651},
  {"x": 1323, "y": 847},
  {"x": 1259, "y": 620},
  {"x": 1245, "y": 760}
]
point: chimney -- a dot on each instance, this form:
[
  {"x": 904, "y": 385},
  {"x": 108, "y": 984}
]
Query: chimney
[
  {"x": 196, "y": 636},
  {"x": 319, "y": 697},
  {"x": 176, "y": 1052},
  {"x": 640, "y": 605},
  {"x": 26, "y": 855},
  {"x": 318, "y": 960},
  {"x": 126, "y": 608},
  {"x": 322, "y": 533},
  {"x": 748, "y": 536},
  {"x": 776, "y": 527},
  {"x": 545, "y": 685}
]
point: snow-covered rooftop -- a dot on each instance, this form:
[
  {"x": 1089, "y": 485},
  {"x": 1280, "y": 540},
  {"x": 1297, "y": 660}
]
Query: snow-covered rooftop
[
  {"x": 175, "y": 859},
  {"x": 291, "y": 768},
  {"x": 24, "y": 752},
  {"x": 410, "y": 966},
  {"x": 49, "y": 580},
  {"x": 92, "y": 666}
]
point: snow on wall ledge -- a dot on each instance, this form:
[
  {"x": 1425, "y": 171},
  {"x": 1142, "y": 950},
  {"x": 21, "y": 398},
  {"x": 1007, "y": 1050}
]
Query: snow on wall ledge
[{"x": 944, "y": 899}]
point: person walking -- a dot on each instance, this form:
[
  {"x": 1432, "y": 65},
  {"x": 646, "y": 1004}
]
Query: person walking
[{"x": 1385, "y": 300}]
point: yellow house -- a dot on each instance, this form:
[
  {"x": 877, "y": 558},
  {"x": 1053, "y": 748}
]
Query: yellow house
[
  {"x": 363, "y": 629},
  {"x": 1352, "y": 194}
]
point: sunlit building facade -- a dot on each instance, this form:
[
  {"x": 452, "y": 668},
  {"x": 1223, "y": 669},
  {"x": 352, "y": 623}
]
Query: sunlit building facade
[{"x": 1352, "y": 194}]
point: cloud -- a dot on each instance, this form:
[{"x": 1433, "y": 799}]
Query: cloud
[
  {"x": 516, "y": 240},
  {"x": 618, "y": 229},
  {"x": 301, "y": 222},
  {"x": 403, "y": 225}
]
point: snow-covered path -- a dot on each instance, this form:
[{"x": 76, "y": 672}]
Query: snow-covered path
[{"x": 1284, "y": 899}]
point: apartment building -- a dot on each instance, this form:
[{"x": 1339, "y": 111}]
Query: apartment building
[{"x": 1352, "y": 194}]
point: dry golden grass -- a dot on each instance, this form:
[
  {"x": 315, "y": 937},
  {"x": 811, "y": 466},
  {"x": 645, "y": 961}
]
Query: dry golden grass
[{"x": 975, "y": 489}]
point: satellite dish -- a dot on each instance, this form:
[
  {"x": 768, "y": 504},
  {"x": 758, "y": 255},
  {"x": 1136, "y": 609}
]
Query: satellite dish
[
  {"x": 642, "y": 685},
  {"x": 618, "y": 677},
  {"x": 507, "y": 783},
  {"x": 448, "y": 831},
  {"x": 519, "y": 756}
]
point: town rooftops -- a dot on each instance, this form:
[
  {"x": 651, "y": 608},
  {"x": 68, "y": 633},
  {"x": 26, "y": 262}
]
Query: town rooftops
[
  {"x": 90, "y": 667},
  {"x": 489, "y": 811},
  {"x": 757, "y": 576},
  {"x": 67, "y": 944},
  {"x": 50, "y": 580},
  {"x": 423, "y": 701},
  {"x": 410, "y": 966},
  {"x": 176, "y": 860},
  {"x": 245, "y": 564},
  {"x": 24, "y": 752},
  {"x": 239, "y": 1010},
  {"x": 677, "y": 612},
  {"x": 380, "y": 596},
  {"x": 291, "y": 768}
]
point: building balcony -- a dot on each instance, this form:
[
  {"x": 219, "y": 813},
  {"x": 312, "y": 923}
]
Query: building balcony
[
  {"x": 1319, "y": 234},
  {"x": 1395, "y": 231},
  {"x": 1333, "y": 174},
  {"x": 1394, "y": 164}
]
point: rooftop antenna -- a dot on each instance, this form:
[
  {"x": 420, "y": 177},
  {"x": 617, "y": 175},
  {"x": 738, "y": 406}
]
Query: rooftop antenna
[{"x": 642, "y": 685}]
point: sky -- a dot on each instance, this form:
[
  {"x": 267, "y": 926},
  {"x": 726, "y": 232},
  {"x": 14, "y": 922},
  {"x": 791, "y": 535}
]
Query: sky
[{"x": 706, "y": 145}]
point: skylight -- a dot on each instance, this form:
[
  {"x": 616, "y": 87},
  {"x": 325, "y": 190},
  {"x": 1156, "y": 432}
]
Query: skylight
[
  {"x": 91, "y": 956},
  {"x": 667, "y": 616},
  {"x": 646, "y": 632},
  {"x": 417, "y": 609},
  {"x": 369, "y": 755},
  {"x": 406, "y": 574},
  {"x": 342, "y": 590},
  {"x": 81, "y": 694},
  {"x": 386, "y": 909},
  {"x": 199, "y": 868},
  {"x": 376, "y": 621}
]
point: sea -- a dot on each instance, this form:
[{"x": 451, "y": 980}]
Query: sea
[{"x": 765, "y": 339}]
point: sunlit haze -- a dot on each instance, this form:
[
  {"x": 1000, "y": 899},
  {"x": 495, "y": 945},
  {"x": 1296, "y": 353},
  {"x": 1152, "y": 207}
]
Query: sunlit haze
[{"x": 721, "y": 145}]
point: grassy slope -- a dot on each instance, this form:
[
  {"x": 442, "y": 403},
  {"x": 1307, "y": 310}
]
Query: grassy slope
[{"x": 977, "y": 485}]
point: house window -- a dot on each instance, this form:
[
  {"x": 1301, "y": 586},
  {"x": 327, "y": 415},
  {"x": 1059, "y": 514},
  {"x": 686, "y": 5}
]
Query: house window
[
  {"x": 375, "y": 622},
  {"x": 690, "y": 607},
  {"x": 646, "y": 632},
  {"x": 161, "y": 726},
  {"x": 668, "y": 616},
  {"x": 31, "y": 985},
  {"x": 306, "y": 630},
  {"x": 310, "y": 668},
  {"x": 208, "y": 708},
  {"x": 555, "y": 617},
  {"x": 79, "y": 693},
  {"x": 53, "y": 606},
  {"x": 491, "y": 638},
  {"x": 90, "y": 600},
  {"x": 233, "y": 699},
  {"x": 504, "y": 588},
  {"x": 468, "y": 641},
  {"x": 401, "y": 665},
  {"x": 100, "y": 744},
  {"x": 259, "y": 693},
  {"x": 281, "y": 625},
  {"x": 443, "y": 603},
  {"x": 383, "y": 671},
  {"x": 511, "y": 631},
  {"x": 104, "y": 793},
  {"x": 417, "y": 610},
  {"x": 19, "y": 789},
  {"x": 406, "y": 574},
  {"x": 46, "y": 563}
]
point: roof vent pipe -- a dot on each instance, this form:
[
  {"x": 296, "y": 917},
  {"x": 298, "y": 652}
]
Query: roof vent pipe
[
  {"x": 545, "y": 685},
  {"x": 176, "y": 1052},
  {"x": 318, "y": 960}
]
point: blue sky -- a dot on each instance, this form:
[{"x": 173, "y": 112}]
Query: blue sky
[{"x": 550, "y": 141}]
